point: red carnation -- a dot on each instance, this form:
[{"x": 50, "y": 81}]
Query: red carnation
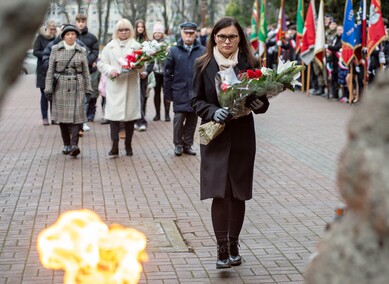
[{"x": 224, "y": 87}]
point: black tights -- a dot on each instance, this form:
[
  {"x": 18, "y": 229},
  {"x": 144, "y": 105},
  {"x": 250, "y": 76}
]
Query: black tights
[{"x": 227, "y": 217}]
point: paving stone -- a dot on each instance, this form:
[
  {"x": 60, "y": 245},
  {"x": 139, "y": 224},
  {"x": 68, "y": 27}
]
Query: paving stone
[{"x": 295, "y": 192}]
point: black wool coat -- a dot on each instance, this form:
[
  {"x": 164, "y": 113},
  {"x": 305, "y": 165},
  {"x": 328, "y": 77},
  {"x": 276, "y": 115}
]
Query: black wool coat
[
  {"x": 40, "y": 43},
  {"x": 228, "y": 160}
]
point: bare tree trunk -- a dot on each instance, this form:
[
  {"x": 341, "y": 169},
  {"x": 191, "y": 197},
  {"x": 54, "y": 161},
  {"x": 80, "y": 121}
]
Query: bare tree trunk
[
  {"x": 22, "y": 18},
  {"x": 106, "y": 22},
  {"x": 100, "y": 17}
]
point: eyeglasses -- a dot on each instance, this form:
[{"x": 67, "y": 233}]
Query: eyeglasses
[
  {"x": 231, "y": 38},
  {"x": 123, "y": 30}
]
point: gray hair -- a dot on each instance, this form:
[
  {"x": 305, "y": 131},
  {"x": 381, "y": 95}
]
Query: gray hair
[{"x": 123, "y": 24}]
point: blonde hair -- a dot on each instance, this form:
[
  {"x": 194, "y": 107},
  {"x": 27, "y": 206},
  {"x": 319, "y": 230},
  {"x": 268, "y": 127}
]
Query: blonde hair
[{"x": 123, "y": 24}]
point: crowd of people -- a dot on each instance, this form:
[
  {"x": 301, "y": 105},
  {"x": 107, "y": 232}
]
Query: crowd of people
[
  {"x": 333, "y": 78},
  {"x": 73, "y": 72}
]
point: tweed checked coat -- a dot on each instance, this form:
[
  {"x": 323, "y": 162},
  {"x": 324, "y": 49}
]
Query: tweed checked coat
[
  {"x": 69, "y": 94},
  {"x": 227, "y": 162},
  {"x": 123, "y": 93}
]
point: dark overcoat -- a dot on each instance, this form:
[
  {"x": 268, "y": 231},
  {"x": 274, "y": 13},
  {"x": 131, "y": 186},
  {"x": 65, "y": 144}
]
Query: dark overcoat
[
  {"x": 41, "y": 41},
  {"x": 228, "y": 160},
  {"x": 178, "y": 75},
  {"x": 69, "y": 94}
]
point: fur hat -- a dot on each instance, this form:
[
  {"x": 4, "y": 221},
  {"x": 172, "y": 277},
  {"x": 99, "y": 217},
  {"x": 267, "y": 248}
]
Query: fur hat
[
  {"x": 69, "y": 28},
  {"x": 158, "y": 28}
]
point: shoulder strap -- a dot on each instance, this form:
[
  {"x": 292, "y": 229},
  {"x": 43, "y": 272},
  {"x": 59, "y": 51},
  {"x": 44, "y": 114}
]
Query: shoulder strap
[{"x": 67, "y": 63}]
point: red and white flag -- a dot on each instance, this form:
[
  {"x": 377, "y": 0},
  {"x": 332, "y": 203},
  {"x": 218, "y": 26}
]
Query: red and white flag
[
  {"x": 309, "y": 35},
  {"x": 320, "y": 40},
  {"x": 376, "y": 31}
]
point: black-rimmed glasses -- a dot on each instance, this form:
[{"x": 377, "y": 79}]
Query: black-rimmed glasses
[{"x": 231, "y": 38}]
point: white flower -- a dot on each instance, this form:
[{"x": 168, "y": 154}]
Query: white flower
[
  {"x": 266, "y": 71},
  {"x": 150, "y": 47},
  {"x": 294, "y": 82},
  {"x": 284, "y": 66}
]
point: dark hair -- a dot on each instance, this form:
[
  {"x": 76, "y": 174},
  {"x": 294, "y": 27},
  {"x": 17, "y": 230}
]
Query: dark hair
[
  {"x": 81, "y": 17},
  {"x": 244, "y": 47},
  {"x": 140, "y": 37}
]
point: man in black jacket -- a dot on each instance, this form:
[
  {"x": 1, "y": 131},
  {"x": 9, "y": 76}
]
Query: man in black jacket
[
  {"x": 178, "y": 86},
  {"x": 92, "y": 46},
  {"x": 334, "y": 47}
]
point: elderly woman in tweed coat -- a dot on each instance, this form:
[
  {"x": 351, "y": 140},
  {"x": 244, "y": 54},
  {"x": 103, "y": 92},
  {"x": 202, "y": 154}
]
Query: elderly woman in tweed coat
[
  {"x": 68, "y": 62},
  {"x": 123, "y": 91}
]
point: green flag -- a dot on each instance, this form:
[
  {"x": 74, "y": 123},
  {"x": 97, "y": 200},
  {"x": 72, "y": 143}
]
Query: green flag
[
  {"x": 300, "y": 24},
  {"x": 262, "y": 29}
]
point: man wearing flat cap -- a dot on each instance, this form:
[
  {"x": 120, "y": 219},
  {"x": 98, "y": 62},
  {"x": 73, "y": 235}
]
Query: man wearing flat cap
[{"x": 179, "y": 67}]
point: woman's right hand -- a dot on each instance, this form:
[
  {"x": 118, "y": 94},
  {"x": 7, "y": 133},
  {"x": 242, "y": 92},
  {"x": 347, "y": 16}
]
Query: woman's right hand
[{"x": 114, "y": 74}]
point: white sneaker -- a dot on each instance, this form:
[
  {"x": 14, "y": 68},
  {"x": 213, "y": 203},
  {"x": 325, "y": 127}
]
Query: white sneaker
[
  {"x": 136, "y": 126},
  {"x": 85, "y": 127},
  {"x": 142, "y": 127}
]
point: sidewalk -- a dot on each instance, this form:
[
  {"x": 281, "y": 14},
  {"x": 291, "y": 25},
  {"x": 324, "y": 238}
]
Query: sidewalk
[{"x": 298, "y": 143}]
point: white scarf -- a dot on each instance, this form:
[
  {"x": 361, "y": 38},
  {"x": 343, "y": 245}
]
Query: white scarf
[
  {"x": 69, "y": 47},
  {"x": 224, "y": 62}
]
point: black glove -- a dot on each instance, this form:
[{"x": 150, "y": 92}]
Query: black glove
[
  {"x": 221, "y": 115},
  {"x": 49, "y": 96},
  {"x": 253, "y": 102}
]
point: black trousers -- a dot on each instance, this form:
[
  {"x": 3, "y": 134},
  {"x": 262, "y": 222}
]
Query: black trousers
[
  {"x": 69, "y": 133},
  {"x": 143, "y": 102},
  {"x": 184, "y": 126},
  {"x": 128, "y": 127},
  {"x": 157, "y": 96}
]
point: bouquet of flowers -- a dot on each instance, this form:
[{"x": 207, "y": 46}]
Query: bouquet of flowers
[
  {"x": 150, "y": 51},
  {"x": 235, "y": 92}
]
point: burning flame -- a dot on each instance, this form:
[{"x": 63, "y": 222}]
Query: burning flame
[{"x": 91, "y": 252}]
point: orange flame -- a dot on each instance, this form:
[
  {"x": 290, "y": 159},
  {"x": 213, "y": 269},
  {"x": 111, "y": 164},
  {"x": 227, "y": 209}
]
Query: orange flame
[{"x": 91, "y": 252}]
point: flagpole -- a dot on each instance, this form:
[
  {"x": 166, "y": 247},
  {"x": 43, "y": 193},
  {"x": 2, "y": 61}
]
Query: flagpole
[
  {"x": 303, "y": 76},
  {"x": 351, "y": 92},
  {"x": 308, "y": 81},
  {"x": 280, "y": 26}
]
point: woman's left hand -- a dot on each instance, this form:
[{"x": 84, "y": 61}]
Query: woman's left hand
[{"x": 256, "y": 104}]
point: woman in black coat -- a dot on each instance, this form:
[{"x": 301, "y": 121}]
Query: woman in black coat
[
  {"x": 227, "y": 162},
  {"x": 46, "y": 35}
]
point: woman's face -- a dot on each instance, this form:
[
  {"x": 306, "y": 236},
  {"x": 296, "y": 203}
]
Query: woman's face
[
  {"x": 140, "y": 28},
  {"x": 70, "y": 37},
  {"x": 124, "y": 33},
  {"x": 158, "y": 36},
  {"x": 227, "y": 40}
]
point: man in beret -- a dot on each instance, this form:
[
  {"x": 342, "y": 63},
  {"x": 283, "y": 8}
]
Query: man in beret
[{"x": 179, "y": 67}]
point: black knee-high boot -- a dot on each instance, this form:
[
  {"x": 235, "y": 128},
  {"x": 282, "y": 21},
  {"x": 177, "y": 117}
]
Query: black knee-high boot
[
  {"x": 167, "y": 110},
  {"x": 115, "y": 126},
  {"x": 129, "y": 127}
]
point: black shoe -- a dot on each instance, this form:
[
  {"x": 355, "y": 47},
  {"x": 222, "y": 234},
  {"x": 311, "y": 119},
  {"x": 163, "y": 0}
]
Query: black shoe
[
  {"x": 66, "y": 150},
  {"x": 115, "y": 148},
  {"x": 178, "y": 150},
  {"x": 129, "y": 150},
  {"x": 156, "y": 118},
  {"x": 189, "y": 151},
  {"x": 74, "y": 151},
  {"x": 167, "y": 117},
  {"x": 223, "y": 260},
  {"x": 235, "y": 258}
]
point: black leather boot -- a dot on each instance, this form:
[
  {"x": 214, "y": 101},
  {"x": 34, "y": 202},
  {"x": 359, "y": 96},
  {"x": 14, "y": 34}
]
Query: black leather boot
[
  {"x": 115, "y": 148},
  {"x": 223, "y": 260},
  {"x": 235, "y": 258},
  {"x": 167, "y": 111},
  {"x": 128, "y": 148}
]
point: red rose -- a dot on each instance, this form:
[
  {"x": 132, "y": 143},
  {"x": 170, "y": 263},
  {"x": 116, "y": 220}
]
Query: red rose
[
  {"x": 131, "y": 58},
  {"x": 138, "y": 52},
  {"x": 224, "y": 87},
  {"x": 250, "y": 74},
  {"x": 258, "y": 73}
]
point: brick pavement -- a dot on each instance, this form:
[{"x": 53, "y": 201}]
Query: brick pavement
[{"x": 298, "y": 142}]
